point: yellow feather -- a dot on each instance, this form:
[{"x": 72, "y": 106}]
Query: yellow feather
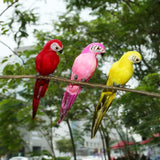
[
  {"x": 120, "y": 73},
  {"x": 101, "y": 108}
]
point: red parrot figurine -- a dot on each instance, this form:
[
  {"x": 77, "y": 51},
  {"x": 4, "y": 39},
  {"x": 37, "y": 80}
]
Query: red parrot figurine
[{"x": 46, "y": 63}]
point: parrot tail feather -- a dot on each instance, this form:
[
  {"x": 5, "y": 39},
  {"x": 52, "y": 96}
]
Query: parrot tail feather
[
  {"x": 40, "y": 89},
  {"x": 35, "y": 107},
  {"x": 101, "y": 108},
  {"x": 68, "y": 100}
]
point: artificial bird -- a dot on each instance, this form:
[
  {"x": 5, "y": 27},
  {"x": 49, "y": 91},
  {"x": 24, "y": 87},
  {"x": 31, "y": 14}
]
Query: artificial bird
[
  {"x": 46, "y": 63},
  {"x": 82, "y": 70},
  {"x": 119, "y": 74}
]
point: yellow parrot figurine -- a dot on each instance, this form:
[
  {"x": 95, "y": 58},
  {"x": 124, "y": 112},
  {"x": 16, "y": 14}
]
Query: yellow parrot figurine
[{"x": 119, "y": 74}]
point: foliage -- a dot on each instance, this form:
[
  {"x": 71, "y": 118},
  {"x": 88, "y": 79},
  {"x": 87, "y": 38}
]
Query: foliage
[
  {"x": 127, "y": 25},
  {"x": 78, "y": 135},
  {"x": 19, "y": 22},
  {"x": 23, "y": 18},
  {"x": 10, "y": 126},
  {"x": 140, "y": 112},
  {"x": 63, "y": 158},
  {"x": 7, "y": 1},
  {"x": 121, "y": 26},
  {"x": 64, "y": 145},
  {"x": 51, "y": 102}
]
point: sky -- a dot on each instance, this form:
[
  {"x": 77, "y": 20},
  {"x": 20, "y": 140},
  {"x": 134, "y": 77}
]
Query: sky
[{"x": 49, "y": 11}]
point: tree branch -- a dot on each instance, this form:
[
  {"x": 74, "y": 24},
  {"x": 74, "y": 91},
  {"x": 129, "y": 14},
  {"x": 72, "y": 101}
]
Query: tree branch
[
  {"x": 151, "y": 94},
  {"x": 144, "y": 61},
  {"x": 72, "y": 139},
  {"x": 8, "y": 7},
  {"x": 12, "y": 51}
]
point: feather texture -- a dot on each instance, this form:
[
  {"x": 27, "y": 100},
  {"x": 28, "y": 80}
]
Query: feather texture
[
  {"x": 46, "y": 63},
  {"x": 119, "y": 74},
  {"x": 82, "y": 70}
]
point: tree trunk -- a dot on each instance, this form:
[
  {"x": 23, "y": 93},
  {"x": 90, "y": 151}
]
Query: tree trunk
[
  {"x": 107, "y": 146},
  {"x": 126, "y": 149},
  {"x": 106, "y": 137},
  {"x": 104, "y": 149},
  {"x": 49, "y": 138},
  {"x": 71, "y": 135},
  {"x": 52, "y": 147}
]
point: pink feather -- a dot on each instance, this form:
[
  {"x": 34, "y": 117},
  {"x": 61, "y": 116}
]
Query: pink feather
[{"x": 84, "y": 67}]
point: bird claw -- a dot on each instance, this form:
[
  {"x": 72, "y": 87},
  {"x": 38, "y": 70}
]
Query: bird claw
[
  {"x": 116, "y": 85},
  {"x": 50, "y": 75},
  {"x": 83, "y": 80},
  {"x": 125, "y": 85},
  {"x": 38, "y": 74},
  {"x": 75, "y": 77}
]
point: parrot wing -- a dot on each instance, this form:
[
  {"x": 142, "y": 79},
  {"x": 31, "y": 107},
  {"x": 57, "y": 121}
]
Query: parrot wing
[
  {"x": 101, "y": 108},
  {"x": 40, "y": 89}
]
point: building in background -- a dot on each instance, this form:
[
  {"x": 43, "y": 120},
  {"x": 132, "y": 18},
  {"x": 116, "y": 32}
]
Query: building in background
[{"x": 35, "y": 142}]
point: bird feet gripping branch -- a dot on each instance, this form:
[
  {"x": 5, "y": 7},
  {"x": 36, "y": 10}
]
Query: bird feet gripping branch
[
  {"x": 50, "y": 75},
  {"x": 75, "y": 77},
  {"x": 38, "y": 74},
  {"x": 118, "y": 85},
  {"x": 83, "y": 80}
]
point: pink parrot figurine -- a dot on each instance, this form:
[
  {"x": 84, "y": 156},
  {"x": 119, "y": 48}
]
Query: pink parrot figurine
[{"x": 82, "y": 70}]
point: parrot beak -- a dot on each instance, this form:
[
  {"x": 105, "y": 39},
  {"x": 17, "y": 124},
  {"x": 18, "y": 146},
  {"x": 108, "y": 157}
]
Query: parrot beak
[
  {"x": 102, "y": 54},
  {"x": 60, "y": 51}
]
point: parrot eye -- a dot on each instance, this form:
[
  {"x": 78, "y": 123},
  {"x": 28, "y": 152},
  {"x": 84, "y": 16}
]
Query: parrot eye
[
  {"x": 96, "y": 48},
  {"x": 134, "y": 59},
  {"x": 55, "y": 47}
]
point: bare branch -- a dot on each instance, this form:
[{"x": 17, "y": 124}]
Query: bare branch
[
  {"x": 8, "y": 7},
  {"x": 12, "y": 51},
  {"x": 151, "y": 94}
]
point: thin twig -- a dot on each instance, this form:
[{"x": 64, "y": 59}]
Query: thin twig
[
  {"x": 12, "y": 51},
  {"x": 8, "y": 7},
  {"x": 151, "y": 94}
]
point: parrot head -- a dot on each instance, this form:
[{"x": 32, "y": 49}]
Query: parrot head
[
  {"x": 96, "y": 48},
  {"x": 134, "y": 56},
  {"x": 54, "y": 45},
  {"x": 131, "y": 56}
]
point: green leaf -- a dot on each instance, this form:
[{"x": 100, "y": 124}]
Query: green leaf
[{"x": 4, "y": 60}]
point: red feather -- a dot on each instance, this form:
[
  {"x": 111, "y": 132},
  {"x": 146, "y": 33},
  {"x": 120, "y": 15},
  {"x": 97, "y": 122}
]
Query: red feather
[
  {"x": 40, "y": 89},
  {"x": 46, "y": 63}
]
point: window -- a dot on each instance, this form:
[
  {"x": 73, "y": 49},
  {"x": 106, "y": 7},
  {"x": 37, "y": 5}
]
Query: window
[{"x": 36, "y": 149}]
